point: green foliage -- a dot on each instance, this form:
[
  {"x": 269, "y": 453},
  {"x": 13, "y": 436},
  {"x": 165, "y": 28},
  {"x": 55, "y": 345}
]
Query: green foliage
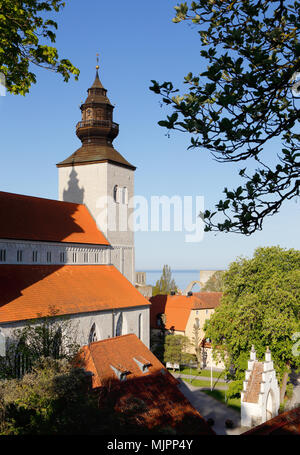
[
  {"x": 234, "y": 389},
  {"x": 241, "y": 101},
  {"x": 289, "y": 391},
  {"x": 214, "y": 283},
  {"x": 165, "y": 284},
  {"x": 24, "y": 26},
  {"x": 261, "y": 307},
  {"x": 176, "y": 349},
  {"x": 53, "y": 398},
  {"x": 51, "y": 336}
]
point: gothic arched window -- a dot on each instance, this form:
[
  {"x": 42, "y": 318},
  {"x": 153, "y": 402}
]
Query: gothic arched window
[
  {"x": 116, "y": 193},
  {"x": 93, "y": 336},
  {"x": 119, "y": 325},
  {"x": 124, "y": 195},
  {"x": 140, "y": 326},
  {"x": 57, "y": 344}
]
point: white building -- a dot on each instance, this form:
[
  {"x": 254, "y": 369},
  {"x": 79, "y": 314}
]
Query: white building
[
  {"x": 54, "y": 254},
  {"x": 260, "y": 397}
]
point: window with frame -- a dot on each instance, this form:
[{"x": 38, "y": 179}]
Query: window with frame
[
  {"x": 86, "y": 257},
  {"x": 2, "y": 255},
  {"x": 93, "y": 334},
  {"x": 74, "y": 257},
  {"x": 49, "y": 256},
  {"x": 62, "y": 256},
  {"x": 19, "y": 255},
  {"x": 34, "y": 256}
]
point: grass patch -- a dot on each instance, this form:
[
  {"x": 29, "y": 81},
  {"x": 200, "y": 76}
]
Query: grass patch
[
  {"x": 204, "y": 373},
  {"x": 234, "y": 403},
  {"x": 200, "y": 383}
]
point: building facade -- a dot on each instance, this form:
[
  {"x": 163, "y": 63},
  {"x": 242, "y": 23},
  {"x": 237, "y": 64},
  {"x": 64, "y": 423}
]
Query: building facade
[{"x": 101, "y": 178}]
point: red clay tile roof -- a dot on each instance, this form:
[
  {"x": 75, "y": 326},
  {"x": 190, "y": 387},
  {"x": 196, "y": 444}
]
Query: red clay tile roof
[
  {"x": 287, "y": 423},
  {"x": 177, "y": 308},
  {"x": 157, "y": 388},
  {"x": 27, "y": 290},
  {"x": 207, "y": 299},
  {"x": 32, "y": 218},
  {"x": 253, "y": 385}
]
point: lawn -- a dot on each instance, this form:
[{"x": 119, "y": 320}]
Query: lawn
[
  {"x": 205, "y": 373},
  {"x": 234, "y": 403},
  {"x": 203, "y": 383}
]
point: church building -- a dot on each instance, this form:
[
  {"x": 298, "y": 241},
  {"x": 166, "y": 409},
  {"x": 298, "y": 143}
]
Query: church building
[{"x": 75, "y": 254}]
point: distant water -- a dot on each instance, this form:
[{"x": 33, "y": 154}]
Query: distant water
[{"x": 181, "y": 277}]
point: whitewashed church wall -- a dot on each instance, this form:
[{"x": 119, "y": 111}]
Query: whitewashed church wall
[{"x": 105, "y": 321}]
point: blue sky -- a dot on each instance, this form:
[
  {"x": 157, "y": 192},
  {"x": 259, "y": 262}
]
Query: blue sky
[{"x": 137, "y": 41}]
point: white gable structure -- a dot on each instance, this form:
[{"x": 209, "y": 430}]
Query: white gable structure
[{"x": 260, "y": 397}]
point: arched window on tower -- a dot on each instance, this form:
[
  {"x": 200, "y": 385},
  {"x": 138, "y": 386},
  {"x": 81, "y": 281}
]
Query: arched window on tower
[
  {"x": 124, "y": 195},
  {"x": 93, "y": 336},
  {"x": 119, "y": 325},
  {"x": 116, "y": 193}
]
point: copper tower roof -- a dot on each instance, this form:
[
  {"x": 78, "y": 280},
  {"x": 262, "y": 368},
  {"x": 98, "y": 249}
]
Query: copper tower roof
[{"x": 96, "y": 130}]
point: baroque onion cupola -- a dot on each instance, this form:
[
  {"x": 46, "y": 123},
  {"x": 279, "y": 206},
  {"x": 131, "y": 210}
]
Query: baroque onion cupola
[{"x": 96, "y": 130}]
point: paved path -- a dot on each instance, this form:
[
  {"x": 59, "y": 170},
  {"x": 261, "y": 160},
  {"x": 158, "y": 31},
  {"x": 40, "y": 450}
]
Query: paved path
[{"x": 208, "y": 407}]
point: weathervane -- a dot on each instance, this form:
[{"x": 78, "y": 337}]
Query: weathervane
[{"x": 97, "y": 58}]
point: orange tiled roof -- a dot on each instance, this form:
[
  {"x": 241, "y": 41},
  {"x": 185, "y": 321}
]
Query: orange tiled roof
[
  {"x": 207, "y": 299},
  {"x": 27, "y": 290},
  {"x": 157, "y": 388},
  {"x": 177, "y": 308},
  {"x": 32, "y": 218},
  {"x": 287, "y": 423}
]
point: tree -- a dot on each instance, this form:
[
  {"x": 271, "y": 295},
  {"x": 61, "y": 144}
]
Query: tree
[
  {"x": 23, "y": 27},
  {"x": 50, "y": 336},
  {"x": 214, "y": 283},
  {"x": 165, "y": 284},
  {"x": 241, "y": 102},
  {"x": 176, "y": 349},
  {"x": 261, "y": 307}
]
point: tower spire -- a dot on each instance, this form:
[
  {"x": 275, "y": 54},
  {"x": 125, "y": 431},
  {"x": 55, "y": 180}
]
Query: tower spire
[{"x": 96, "y": 130}]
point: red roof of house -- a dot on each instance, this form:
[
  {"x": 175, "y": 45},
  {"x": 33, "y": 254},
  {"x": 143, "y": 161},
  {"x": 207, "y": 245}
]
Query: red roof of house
[
  {"x": 32, "y": 218},
  {"x": 207, "y": 300},
  {"x": 29, "y": 290},
  {"x": 287, "y": 423},
  {"x": 177, "y": 308},
  {"x": 156, "y": 387}
]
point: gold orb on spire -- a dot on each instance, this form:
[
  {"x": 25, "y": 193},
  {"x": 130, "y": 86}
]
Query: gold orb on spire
[{"x": 97, "y": 58}]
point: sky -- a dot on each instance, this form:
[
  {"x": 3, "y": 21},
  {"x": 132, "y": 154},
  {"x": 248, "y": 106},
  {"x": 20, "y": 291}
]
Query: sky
[{"x": 137, "y": 42}]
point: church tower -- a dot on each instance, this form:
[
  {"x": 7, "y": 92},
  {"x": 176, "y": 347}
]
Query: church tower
[{"x": 99, "y": 177}]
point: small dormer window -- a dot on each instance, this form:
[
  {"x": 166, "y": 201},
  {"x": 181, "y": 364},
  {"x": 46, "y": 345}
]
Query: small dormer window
[
  {"x": 120, "y": 372},
  {"x": 142, "y": 363}
]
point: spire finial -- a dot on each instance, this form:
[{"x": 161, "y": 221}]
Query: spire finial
[{"x": 97, "y": 58}]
